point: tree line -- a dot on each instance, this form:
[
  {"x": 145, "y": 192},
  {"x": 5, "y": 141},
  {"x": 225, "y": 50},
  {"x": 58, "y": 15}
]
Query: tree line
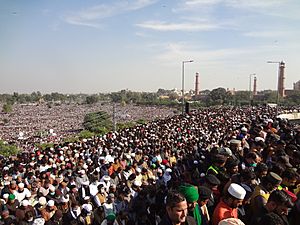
[{"x": 206, "y": 98}]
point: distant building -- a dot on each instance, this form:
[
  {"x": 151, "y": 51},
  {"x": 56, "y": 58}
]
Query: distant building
[
  {"x": 281, "y": 77},
  {"x": 297, "y": 86},
  {"x": 197, "y": 84},
  {"x": 232, "y": 92},
  {"x": 255, "y": 86}
]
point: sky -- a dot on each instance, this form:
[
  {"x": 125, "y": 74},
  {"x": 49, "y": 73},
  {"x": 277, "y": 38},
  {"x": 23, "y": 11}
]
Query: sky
[{"x": 92, "y": 46}]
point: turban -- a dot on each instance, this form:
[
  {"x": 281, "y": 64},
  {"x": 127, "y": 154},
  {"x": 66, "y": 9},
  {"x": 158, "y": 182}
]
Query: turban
[
  {"x": 190, "y": 192},
  {"x": 111, "y": 217}
]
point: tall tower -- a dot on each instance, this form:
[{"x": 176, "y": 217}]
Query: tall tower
[
  {"x": 197, "y": 84},
  {"x": 255, "y": 86},
  {"x": 280, "y": 87}
]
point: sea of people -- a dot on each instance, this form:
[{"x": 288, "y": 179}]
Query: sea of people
[
  {"x": 28, "y": 124},
  {"x": 214, "y": 166}
]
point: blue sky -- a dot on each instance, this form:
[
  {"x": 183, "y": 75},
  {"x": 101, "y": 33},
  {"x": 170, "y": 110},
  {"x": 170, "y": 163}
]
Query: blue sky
[{"x": 74, "y": 46}]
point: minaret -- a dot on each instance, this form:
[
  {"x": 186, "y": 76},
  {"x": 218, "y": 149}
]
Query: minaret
[
  {"x": 255, "y": 86},
  {"x": 197, "y": 84},
  {"x": 281, "y": 78}
]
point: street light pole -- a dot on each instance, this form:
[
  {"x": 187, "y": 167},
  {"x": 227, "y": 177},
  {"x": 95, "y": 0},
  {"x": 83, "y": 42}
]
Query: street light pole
[
  {"x": 277, "y": 95},
  {"x": 182, "y": 83},
  {"x": 250, "y": 82}
]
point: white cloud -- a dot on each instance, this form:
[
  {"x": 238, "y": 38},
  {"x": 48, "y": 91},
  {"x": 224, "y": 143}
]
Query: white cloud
[
  {"x": 255, "y": 3},
  {"x": 201, "y": 2},
  {"x": 266, "y": 34},
  {"x": 76, "y": 21},
  {"x": 91, "y": 16},
  {"x": 234, "y": 3},
  {"x": 173, "y": 53},
  {"x": 164, "y": 26}
]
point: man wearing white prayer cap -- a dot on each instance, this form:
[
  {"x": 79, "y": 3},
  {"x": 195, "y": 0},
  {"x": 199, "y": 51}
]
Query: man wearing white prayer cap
[
  {"x": 23, "y": 209},
  {"x": 49, "y": 211},
  {"x": 227, "y": 207},
  {"x": 21, "y": 192},
  {"x": 5, "y": 198},
  {"x": 231, "y": 221}
]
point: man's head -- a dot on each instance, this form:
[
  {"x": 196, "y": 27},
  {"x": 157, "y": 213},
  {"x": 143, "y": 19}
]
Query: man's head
[
  {"x": 279, "y": 202},
  {"x": 204, "y": 195},
  {"x": 252, "y": 159},
  {"x": 11, "y": 198},
  {"x": 191, "y": 195},
  {"x": 261, "y": 170},
  {"x": 212, "y": 182},
  {"x": 235, "y": 195},
  {"x": 219, "y": 160},
  {"x": 13, "y": 185},
  {"x": 110, "y": 218},
  {"x": 289, "y": 178},
  {"x": 176, "y": 207},
  {"x": 271, "y": 182},
  {"x": 51, "y": 205}
]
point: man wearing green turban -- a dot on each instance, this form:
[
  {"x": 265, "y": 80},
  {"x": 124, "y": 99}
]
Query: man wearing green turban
[{"x": 191, "y": 194}]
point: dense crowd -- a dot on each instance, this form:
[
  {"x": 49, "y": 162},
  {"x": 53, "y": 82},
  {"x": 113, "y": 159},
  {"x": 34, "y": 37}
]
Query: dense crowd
[
  {"x": 215, "y": 166},
  {"x": 39, "y": 123}
]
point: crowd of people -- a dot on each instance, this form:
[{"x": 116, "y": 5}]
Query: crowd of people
[
  {"x": 28, "y": 124},
  {"x": 213, "y": 166}
]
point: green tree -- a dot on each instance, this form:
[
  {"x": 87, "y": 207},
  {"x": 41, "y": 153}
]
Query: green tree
[
  {"x": 8, "y": 150},
  {"x": 92, "y": 99},
  {"x": 218, "y": 95},
  {"x": 293, "y": 99},
  {"x": 242, "y": 97},
  {"x": 97, "y": 122},
  {"x": 7, "y": 108},
  {"x": 86, "y": 134}
]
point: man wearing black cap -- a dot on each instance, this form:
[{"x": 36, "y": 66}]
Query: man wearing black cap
[
  {"x": 212, "y": 183},
  {"x": 218, "y": 169},
  {"x": 204, "y": 196},
  {"x": 262, "y": 192},
  {"x": 217, "y": 165}
]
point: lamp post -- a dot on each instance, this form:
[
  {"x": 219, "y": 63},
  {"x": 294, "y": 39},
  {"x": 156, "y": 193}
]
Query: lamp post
[
  {"x": 250, "y": 82},
  {"x": 182, "y": 83},
  {"x": 277, "y": 94}
]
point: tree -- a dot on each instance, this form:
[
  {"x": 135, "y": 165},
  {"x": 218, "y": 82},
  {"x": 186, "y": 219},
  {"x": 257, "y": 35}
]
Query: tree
[
  {"x": 97, "y": 122},
  {"x": 294, "y": 98},
  {"x": 8, "y": 150},
  {"x": 242, "y": 97},
  {"x": 92, "y": 99},
  {"x": 7, "y": 108},
  {"x": 218, "y": 95}
]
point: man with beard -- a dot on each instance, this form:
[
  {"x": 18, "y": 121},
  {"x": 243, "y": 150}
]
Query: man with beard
[
  {"x": 212, "y": 183},
  {"x": 159, "y": 179},
  {"x": 262, "y": 192},
  {"x": 49, "y": 211},
  {"x": 12, "y": 204},
  {"x": 21, "y": 192},
  {"x": 74, "y": 196},
  {"x": 289, "y": 180},
  {"x": 73, "y": 214},
  {"x": 279, "y": 203},
  {"x": 23, "y": 209},
  {"x": 176, "y": 210},
  {"x": 204, "y": 195},
  {"x": 191, "y": 194},
  {"x": 227, "y": 207}
]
